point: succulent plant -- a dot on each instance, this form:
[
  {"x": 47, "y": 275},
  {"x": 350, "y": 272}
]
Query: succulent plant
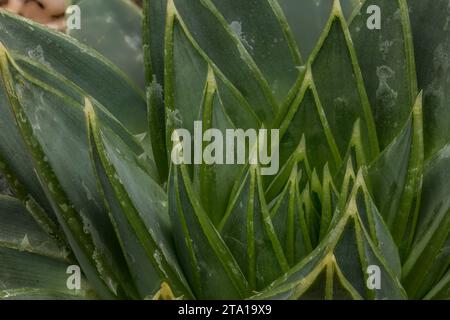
[{"x": 363, "y": 188}]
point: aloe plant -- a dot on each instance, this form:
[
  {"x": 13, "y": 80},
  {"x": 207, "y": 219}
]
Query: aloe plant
[{"x": 363, "y": 185}]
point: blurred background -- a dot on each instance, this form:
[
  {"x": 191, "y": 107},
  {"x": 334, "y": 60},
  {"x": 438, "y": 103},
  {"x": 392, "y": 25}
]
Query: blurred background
[{"x": 48, "y": 12}]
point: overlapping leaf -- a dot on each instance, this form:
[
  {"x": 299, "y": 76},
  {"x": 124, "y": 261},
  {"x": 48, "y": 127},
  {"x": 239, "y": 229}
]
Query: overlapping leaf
[
  {"x": 386, "y": 57},
  {"x": 81, "y": 65},
  {"x": 49, "y": 120},
  {"x": 248, "y": 232},
  {"x": 308, "y": 18},
  {"x": 138, "y": 209},
  {"x": 208, "y": 264},
  {"x": 432, "y": 44},
  {"x": 338, "y": 267},
  {"x": 33, "y": 265},
  {"x": 113, "y": 28}
]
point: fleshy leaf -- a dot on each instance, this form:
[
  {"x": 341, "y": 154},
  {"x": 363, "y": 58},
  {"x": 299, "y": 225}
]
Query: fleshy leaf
[
  {"x": 153, "y": 35},
  {"x": 208, "y": 264},
  {"x": 339, "y": 267},
  {"x": 336, "y": 55},
  {"x": 386, "y": 57},
  {"x": 194, "y": 91},
  {"x": 396, "y": 184},
  {"x": 81, "y": 65},
  {"x": 306, "y": 117},
  {"x": 441, "y": 290},
  {"x": 33, "y": 265},
  {"x": 289, "y": 222},
  {"x": 429, "y": 257},
  {"x": 250, "y": 235},
  {"x": 138, "y": 210},
  {"x": 226, "y": 50},
  {"x": 307, "y": 18},
  {"x": 113, "y": 28},
  {"x": 432, "y": 44},
  {"x": 41, "y": 114},
  {"x": 17, "y": 165}
]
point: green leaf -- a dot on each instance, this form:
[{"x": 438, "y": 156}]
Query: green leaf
[
  {"x": 307, "y": 19},
  {"x": 311, "y": 205},
  {"x": 336, "y": 55},
  {"x": 153, "y": 34},
  {"x": 329, "y": 196},
  {"x": 442, "y": 289},
  {"x": 17, "y": 165},
  {"x": 298, "y": 157},
  {"x": 430, "y": 257},
  {"x": 235, "y": 62},
  {"x": 113, "y": 28},
  {"x": 250, "y": 235},
  {"x": 209, "y": 266},
  {"x": 396, "y": 184},
  {"x": 386, "y": 57},
  {"x": 337, "y": 268},
  {"x": 306, "y": 117},
  {"x": 33, "y": 264},
  {"x": 157, "y": 128},
  {"x": 289, "y": 221},
  {"x": 54, "y": 80},
  {"x": 138, "y": 210},
  {"x": 81, "y": 65},
  {"x": 196, "y": 91},
  {"x": 41, "y": 114},
  {"x": 432, "y": 44},
  {"x": 262, "y": 29},
  {"x": 215, "y": 181},
  {"x": 184, "y": 88}
]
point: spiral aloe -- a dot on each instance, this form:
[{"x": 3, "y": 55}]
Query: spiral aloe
[{"x": 360, "y": 205}]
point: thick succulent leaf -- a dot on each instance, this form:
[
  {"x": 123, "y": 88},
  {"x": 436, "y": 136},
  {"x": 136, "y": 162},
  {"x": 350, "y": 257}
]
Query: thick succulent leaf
[
  {"x": 52, "y": 126},
  {"x": 81, "y": 65},
  {"x": 16, "y": 163},
  {"x": 336, "y": 55},
  {"x": 215, "y": 181},
  {"x": 263, "y": 30},
  {"x": 432, "y": 45},
  {"x": 396, "y": 183},
  {"x": 209, "y": 266},
  {"x": 226, "y": 50},
  {"x": 18, "y": 168},
  {"x": 441, "y": 290},
  {"x": 337, "y": 268},
  {"x": 289, "y": 221},
  {"x": 307, "y": 19},
  {"x": 306, "y": 117},
  {"x": 388, "y": 174},
  {"x": 156, "y": 116},
  {"x": 69, "y": 89},
  {"x": 250, "y": 235},
  {"x": 33, "y": 265},
  {"x": 329, "y": 197},
  {"x": 386, "y": 58},
  {"x": 298, "y": 158},
  {"x": 311, "y": 195},
  {"x": 186, "y": 70},
  {"x": 153, "y": 35},
  {"x": 113, "y": 28},
  {"x": 138, "y": 210},
  {"x": 195, "y": 92},
  {"x": 430, "y": 255}
]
